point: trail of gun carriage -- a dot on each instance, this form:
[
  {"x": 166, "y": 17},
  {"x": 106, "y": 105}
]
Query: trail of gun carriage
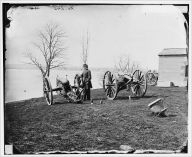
[{"x": 130, "y": 110}]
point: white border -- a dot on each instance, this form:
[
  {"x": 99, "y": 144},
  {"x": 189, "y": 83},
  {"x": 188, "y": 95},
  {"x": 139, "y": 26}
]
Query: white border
[
  {"x": 1, "y": 89},
  {"x": 190, "y": 82},
  {"x": 103, "y": 2}
]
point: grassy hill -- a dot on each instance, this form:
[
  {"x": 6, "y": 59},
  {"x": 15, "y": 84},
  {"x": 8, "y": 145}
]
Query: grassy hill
[{"x": 33, "y": 126}]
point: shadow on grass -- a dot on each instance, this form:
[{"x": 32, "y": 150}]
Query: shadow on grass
[
  {"x": 171, "y": 115},
  {"x": 60, "y": 102},
  {"x": 99, "y": 98},
  {"x": 64, "y": 102},
  {"x": 126, "y": 97},
  {"x": 156, "y": 115},
  {"x": 135, "y": 98},
  {"x": 161, "y": 115},
  {"x": 150, "y": 96}
]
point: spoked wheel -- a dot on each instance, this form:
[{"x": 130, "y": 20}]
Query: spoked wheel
[
  {"x": 110, "y": 85},
  {"x": 79, "y": 92},
  {"x": 151, "y": 79},
  {"x": 139, "y": 84},
  {"x": 72, "y": 97},
  {"x": 47, "y": 89}
]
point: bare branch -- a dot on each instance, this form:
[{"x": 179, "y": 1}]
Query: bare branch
[
  {"x": 125, "y": 65},
  {"x": 50, "y": 47}
]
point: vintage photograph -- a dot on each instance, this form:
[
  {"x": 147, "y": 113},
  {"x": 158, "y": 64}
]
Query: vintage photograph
[{"x": 93, "y": 78}]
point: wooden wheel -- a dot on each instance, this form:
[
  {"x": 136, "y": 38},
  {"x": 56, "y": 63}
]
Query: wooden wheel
[
  {"x": 110, "y": 85},
  {"x": 151, "y": 79},
  {"x": 72, "y": 97},
  {"x": 105, "y": 79},
  {"x": 139, "y": 84},
  {"x": 79, "y": 92},
  {"x": 81, "y": 95},
  {"x": 48, "y": 92}
]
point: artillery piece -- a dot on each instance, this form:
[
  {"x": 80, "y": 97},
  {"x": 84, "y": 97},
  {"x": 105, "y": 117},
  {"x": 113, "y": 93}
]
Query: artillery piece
[
  {"x": 71, "y": 93},
  {"x": 136, "y": 83}
]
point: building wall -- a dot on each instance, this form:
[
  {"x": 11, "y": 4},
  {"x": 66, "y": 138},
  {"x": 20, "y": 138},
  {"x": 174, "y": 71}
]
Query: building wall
[{"x": 172, "y": 69}]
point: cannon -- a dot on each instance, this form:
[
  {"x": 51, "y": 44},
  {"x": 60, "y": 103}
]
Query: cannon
[
  {"x": 71, "y": 93},
  {"x": 135, "y": 82}
]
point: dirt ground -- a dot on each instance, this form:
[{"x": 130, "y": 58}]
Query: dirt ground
[{"x": 33, "y": 126}]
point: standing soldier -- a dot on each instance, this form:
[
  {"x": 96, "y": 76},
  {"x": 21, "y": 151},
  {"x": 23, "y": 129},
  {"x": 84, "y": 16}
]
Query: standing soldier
[{"x": 86, "y": 75}]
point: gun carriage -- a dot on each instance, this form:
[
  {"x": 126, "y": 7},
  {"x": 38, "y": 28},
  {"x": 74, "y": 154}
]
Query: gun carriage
[
  {"x": 135, "y": 82},
  {"x": 71, "y": 93}
]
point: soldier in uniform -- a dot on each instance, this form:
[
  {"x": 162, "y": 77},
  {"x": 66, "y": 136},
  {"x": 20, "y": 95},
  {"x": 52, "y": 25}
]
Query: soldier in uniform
[{"x": 86, "y": 75}]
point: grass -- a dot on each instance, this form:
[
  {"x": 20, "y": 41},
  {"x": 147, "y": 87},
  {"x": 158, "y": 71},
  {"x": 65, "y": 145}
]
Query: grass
[{"x": 33, "y": 126}]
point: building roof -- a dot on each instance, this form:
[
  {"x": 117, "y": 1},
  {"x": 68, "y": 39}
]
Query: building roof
[{"x": 173, "y": 52}]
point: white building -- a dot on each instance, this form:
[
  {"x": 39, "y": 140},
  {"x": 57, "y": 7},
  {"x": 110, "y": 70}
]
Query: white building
[{"x": 172, "y": 67}]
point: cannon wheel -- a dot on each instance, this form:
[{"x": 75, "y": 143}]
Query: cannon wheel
[
  {"x": 139, "y": 84},
  {"x": 48, "y": 92},
  {"x": 79, "y": 92},
  {"x": 110, "y": 85},
  {"x": 151, "y": 79}
]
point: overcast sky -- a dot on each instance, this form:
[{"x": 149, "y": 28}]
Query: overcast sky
[{"x": 138, "y": 31}]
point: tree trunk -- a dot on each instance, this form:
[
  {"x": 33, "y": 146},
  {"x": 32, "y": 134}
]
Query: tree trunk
[{"x": 43, "y": 76}]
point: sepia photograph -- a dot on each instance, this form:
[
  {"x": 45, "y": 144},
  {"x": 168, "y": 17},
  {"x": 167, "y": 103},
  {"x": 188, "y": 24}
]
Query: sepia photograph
[{"x": 96, "y": 78}]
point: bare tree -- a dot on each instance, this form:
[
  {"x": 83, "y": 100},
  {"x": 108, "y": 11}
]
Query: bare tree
[
  {"x": 125, "y": 65},
  {"x": 85, "y": 48},
  {"x": 50, "y": 47}
]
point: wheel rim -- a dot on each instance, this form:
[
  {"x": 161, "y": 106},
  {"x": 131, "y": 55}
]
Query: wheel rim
[
  {"x": 82, "y": 95},
  {"x": 105, "y": 80},
  {"x": 110, "y": 85},
  {"x": 79, "y": 93},
  {"x": 139, "y": 85},
  {"x": 48, "y": 91},
  {"x": 72, "y": 96}
]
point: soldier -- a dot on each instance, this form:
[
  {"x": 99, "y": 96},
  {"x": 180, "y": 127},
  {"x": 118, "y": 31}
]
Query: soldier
[{"x": 86, "y": 75}]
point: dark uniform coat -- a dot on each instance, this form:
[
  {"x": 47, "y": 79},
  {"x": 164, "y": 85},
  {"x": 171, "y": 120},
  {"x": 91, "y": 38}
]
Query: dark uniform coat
[{"x": 86, "y": 75}]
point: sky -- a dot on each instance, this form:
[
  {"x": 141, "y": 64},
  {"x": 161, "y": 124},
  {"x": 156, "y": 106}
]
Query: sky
[{"x": 138, "y": 31}]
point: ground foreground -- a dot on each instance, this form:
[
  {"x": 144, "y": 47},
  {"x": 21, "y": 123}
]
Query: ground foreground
[{"x": 33, "y": 126}]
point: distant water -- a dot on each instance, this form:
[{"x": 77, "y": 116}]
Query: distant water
[{"x": 21, "y": 84}]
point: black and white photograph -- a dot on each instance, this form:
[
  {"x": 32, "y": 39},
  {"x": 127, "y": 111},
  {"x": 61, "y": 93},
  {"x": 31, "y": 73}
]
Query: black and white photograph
[{"x": 96, "y": 78}]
